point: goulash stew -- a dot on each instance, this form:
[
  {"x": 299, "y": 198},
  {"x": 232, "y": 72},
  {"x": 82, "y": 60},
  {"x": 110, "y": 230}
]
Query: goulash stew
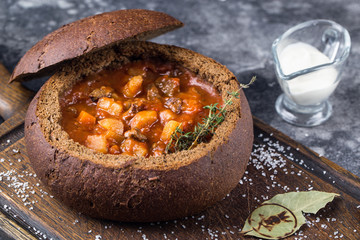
[{"x": 134, "y": 110}]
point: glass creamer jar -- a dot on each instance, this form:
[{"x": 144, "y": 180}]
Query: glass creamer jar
[{"x": 308, "y": 60}]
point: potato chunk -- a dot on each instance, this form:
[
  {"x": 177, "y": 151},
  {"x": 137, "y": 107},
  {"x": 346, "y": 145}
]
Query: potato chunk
[
  {"x": 97, "y": 143},
  {"x": 191, "y": 106},
  {"x": 86, "y": 118},
  {"x": 136, "y": 70},
  {"x": 110, "y": 135},
  {"x": 143, "y": 119},
  {"x": 113, "y": 125},
  {"x": 133, "y": 87},
  {"x": 114, "y": 149},
  {"x": 110, "y": 106},
  {"x": 134, "y": 147},
  {"x": 167, "y": 115},
  {"x": 169, "y": 129}
]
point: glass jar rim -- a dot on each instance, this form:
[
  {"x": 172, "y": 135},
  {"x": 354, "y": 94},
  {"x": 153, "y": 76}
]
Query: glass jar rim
[{"x": 336, "y": 61}]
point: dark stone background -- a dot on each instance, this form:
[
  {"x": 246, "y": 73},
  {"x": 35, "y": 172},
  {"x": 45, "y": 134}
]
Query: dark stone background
[{"x": 236, "y": 33}]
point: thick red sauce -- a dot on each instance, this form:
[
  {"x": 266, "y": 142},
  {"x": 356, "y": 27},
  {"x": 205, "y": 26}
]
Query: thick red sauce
[{"x": 135, "y": 109}]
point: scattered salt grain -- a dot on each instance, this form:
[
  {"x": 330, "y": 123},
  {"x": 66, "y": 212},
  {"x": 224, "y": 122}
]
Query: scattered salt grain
[{"x": 270, "y": 159}]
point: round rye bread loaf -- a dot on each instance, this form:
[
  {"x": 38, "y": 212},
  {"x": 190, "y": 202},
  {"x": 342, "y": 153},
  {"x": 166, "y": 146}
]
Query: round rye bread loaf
[
  {"x": 129, "y": 188},
  {"x": 91, "y": 34}
]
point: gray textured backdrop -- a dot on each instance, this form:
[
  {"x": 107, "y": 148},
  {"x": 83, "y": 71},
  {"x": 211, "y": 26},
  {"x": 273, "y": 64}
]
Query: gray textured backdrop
[{"x": 238, "y": 34}]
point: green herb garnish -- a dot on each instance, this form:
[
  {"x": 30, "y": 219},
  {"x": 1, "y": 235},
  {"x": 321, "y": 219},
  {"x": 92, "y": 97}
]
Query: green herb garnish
[{"x": 181, "y": 140}]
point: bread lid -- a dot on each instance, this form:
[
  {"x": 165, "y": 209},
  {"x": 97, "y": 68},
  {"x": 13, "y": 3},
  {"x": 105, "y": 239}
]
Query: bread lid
[{"x": 88, "y": 35}]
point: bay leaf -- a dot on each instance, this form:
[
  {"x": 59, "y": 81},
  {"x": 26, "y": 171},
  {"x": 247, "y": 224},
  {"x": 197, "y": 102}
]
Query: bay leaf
[
  {"x": 282, "y": 215},
  {"x": 307, "y": 202}
]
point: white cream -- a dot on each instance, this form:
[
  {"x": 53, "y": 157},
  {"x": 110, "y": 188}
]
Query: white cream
[{"x": 312, "y": 88}]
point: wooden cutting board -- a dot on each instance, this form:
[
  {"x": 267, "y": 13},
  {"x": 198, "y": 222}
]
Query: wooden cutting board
[{"x": 278, "y": 164}]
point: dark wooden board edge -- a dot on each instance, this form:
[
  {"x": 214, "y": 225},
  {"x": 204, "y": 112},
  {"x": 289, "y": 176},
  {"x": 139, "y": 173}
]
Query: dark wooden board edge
[
  {"x": 13, "y": 96},
  {"x": 12, "y": 230},
  {"x": 14, "y": 121},
  {"x": 346, "y": 182},
  {"x": 18, "y": 223},
  {"x": 319, "y": 165}
]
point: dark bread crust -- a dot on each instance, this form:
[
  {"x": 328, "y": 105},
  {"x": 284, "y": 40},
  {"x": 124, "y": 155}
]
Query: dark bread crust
[
  {"x": 138, "y": 189},
  {"x": 91, "y": 34}
]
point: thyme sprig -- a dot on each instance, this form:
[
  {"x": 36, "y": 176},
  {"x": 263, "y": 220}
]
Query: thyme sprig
[{"x": 202, "y": 132}]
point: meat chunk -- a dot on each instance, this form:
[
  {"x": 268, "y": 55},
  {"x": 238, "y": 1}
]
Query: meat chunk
[
  {"x": 152, "y": 92},
  {"x": 136, "y": 134},
  {"x": 174, "y": 104},
  {"x": 169, "y": 86},
  {"x": 134, "y": 108},
  {"x": 100, "y": 93}
]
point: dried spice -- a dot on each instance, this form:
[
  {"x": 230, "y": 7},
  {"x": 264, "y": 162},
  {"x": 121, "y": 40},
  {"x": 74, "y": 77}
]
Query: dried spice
[{"x": 282, "y": 215}]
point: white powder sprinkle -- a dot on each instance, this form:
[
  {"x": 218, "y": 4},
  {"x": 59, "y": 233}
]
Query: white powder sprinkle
[{"x": 270, "y": 159}]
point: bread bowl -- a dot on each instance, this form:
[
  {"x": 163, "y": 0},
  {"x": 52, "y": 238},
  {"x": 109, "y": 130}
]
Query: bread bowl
[{"x": 128, "y": 188}]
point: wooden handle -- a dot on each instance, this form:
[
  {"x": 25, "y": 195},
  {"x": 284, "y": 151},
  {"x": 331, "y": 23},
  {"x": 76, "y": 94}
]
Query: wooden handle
[{"x": 13, "y": 97}]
